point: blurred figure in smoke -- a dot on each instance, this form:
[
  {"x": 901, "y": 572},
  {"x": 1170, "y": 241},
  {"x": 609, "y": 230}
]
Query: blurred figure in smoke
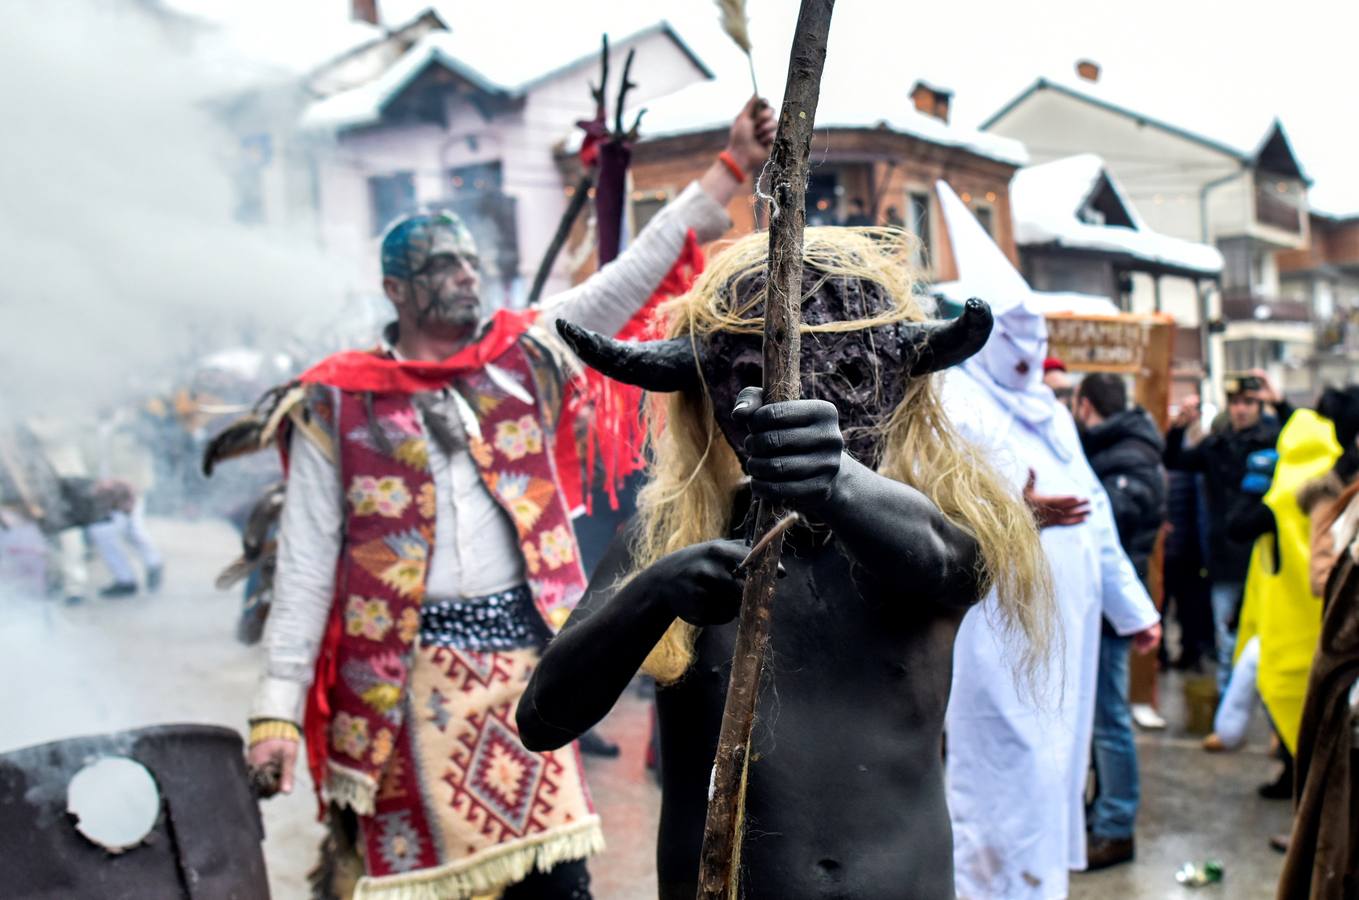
[
  {"x": 38, "y": 507},
  {"x": 123, "y": 464},
  {"x": 125, "y": 524},
  {"x": 31, "y": 511},
  {"x": 426, "y": 554}
]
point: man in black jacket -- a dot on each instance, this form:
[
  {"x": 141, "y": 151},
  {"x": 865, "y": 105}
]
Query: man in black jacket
[
  {"x": 1124, "y": 448},
  {"x": 1221, "y": 457}
]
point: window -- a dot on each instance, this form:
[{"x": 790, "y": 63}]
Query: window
[
  {"x": 390, "y": 196},
  {"x": 918, "y": 221},
  {"x": 983, "y": 214},
  {"x": 479, "y": 178},
  {"x": 645, "y": 207},
  {"x": 256, "y": 154},
  {"x": 823, "y": 193},
  {"x": 1278, "y": 202},
  {"x": 475, "y": 193}
]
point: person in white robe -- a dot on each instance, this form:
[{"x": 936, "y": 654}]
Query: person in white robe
[{"x": 1019, "y": 749}]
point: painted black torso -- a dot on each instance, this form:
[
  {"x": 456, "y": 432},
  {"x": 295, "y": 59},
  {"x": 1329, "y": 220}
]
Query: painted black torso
[{"x": 845, "y": 796}]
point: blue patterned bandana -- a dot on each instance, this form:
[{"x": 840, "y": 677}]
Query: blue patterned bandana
[{"x": 410, "y": 243}]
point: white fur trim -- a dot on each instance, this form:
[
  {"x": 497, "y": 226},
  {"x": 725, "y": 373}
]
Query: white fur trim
[{"x": 490, "y": 870}]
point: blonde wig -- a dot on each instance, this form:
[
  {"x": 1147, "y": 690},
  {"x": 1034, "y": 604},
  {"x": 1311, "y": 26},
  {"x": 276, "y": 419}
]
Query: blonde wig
[{"x": 694, "y": 473}]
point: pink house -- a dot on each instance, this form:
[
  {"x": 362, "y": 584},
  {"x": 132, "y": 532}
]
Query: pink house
[{"x": 429, "y": 116}]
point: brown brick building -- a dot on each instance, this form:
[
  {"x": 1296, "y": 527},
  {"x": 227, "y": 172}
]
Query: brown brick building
[{"x": 889, "y": 168}]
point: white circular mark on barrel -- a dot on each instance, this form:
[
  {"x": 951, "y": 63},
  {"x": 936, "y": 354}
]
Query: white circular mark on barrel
[{"x": 114, "y": 801}]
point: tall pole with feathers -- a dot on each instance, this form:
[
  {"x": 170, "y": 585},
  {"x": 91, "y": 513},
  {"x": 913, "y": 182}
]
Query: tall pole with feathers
[
  {"x": 719, "y": 862},
  {"x": 736, "y": 24}
]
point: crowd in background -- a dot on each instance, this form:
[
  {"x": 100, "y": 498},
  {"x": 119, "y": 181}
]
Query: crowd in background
[{"x": 1247, "y": 502}]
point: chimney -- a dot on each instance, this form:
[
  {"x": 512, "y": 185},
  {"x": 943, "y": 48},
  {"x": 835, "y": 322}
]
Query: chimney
[
  {"x": 931, "y": 100},
  {"x": 1088, "y": 70},
  {"x": 364, "y": 11}
]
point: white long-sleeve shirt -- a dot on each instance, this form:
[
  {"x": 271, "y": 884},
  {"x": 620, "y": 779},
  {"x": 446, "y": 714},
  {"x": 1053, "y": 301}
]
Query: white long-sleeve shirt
[{"x": 475, "y": 545}]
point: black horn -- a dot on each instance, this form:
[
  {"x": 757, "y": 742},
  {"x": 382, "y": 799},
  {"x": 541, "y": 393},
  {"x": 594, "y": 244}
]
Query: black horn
[
  {"x": 657, "y": 366},
  {"x": 938, "y": 345}
]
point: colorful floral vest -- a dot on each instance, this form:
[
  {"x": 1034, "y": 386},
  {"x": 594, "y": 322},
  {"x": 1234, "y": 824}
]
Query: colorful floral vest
[{"x": 355, "y": 708}]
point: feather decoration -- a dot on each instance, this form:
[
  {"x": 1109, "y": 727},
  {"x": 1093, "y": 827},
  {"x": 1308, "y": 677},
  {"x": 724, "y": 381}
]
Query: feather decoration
[{"x": 736, "y": 24}]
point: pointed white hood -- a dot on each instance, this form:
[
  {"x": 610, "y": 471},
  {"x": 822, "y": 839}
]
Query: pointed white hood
[{"x": 1010, "y": 366}]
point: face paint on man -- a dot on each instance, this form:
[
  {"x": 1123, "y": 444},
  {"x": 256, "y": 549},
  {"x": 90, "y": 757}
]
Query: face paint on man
[
  {"x": 446, "y": 291},
  {"x": 433, "y": 261}
]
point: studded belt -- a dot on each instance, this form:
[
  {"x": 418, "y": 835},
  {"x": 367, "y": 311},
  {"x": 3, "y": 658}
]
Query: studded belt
[{"x": 506, "y": 620}]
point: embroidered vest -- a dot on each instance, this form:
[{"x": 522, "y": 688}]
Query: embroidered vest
[{"x": 390, "y": 514}]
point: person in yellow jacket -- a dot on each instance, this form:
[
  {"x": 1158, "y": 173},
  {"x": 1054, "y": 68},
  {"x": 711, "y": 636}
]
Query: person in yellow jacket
[{"x": 1280, "y": 606}]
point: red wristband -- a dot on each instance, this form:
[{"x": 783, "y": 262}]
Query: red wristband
[{"x": 726, "y": 159}]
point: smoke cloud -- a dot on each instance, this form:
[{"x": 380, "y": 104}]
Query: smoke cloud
[{"x": 120, "y": 257}]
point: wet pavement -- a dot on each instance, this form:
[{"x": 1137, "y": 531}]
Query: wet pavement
[
  {"x": 112, "y": 664},
  {"x": 1198, "y": 806}
]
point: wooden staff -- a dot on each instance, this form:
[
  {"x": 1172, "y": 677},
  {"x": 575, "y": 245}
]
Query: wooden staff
[
  {"x": 579, "y": 198},
  {"x": 719, "y": 860}
]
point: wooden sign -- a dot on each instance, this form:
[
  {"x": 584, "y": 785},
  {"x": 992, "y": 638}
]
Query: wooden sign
[{"x": 1100, "y": 343}]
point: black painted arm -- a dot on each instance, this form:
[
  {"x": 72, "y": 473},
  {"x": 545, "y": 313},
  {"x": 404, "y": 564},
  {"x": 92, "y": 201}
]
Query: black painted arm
[
  {"x": 590, "y": 662},
  {"x": 900, "y": 538},
  {"x": 897, "y": 536}
]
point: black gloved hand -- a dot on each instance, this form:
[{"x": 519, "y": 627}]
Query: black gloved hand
[
  {"x": 794, "y": 449},
  {"x": 697, "y": 583}
]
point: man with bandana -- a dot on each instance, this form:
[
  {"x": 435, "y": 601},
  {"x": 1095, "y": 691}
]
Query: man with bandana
[
  {"x": 1018, "y": 753},
  {"x": 426, "y": 553}
]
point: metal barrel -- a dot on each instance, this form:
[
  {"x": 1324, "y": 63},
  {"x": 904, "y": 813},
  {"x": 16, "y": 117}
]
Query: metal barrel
[{"x": 204, "y": 843}]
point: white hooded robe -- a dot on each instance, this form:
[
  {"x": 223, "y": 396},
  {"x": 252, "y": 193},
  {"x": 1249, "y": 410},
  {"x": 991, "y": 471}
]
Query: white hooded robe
[{"x": 1017, "y": 761}]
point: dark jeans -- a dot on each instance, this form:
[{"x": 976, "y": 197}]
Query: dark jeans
[
  {"x": 1187, "y": 591},
  {"x": 1226, "y": 596},
  {"x": 1115, "y": 806}
]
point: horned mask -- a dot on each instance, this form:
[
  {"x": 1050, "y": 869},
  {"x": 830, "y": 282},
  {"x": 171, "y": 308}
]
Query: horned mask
[{"x": 864, "y": 372}]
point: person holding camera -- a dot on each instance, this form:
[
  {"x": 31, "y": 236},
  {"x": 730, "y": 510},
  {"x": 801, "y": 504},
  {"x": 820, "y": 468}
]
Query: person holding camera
[{"x": 1221, "y": 458}]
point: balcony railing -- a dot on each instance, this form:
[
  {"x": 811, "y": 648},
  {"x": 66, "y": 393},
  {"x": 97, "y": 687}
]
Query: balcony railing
[
  {"x": 1277, "y": 210},
  {"x": 1244, "y": 307}
]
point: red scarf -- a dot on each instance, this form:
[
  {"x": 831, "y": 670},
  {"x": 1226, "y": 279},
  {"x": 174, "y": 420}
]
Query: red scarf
[{"x": 360, "y": 370}]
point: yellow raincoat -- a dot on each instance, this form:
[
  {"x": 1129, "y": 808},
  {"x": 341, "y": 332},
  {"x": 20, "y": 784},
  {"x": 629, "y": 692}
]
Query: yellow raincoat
[{"x": 1280, "y": 606}]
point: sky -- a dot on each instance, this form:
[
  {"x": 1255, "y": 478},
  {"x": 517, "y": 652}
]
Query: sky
[{"x": 1221, "y": 68}]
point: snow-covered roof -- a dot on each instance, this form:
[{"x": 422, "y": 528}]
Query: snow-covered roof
[
  {"x": 363, "y": 105},
  {"x": 1332, "y": 201},
  {"x": 284, "y": 38},
  {"x": 984, "y": 270},
  {"x": 1045, "y": 302},
  {"x": 1046, "y": 201},
  {"x": 932, "y": 86},
  {"x": 709, "y": 105},
  {"x": 1241, "y": 137},
  {"x": 483, "y": 63}
]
